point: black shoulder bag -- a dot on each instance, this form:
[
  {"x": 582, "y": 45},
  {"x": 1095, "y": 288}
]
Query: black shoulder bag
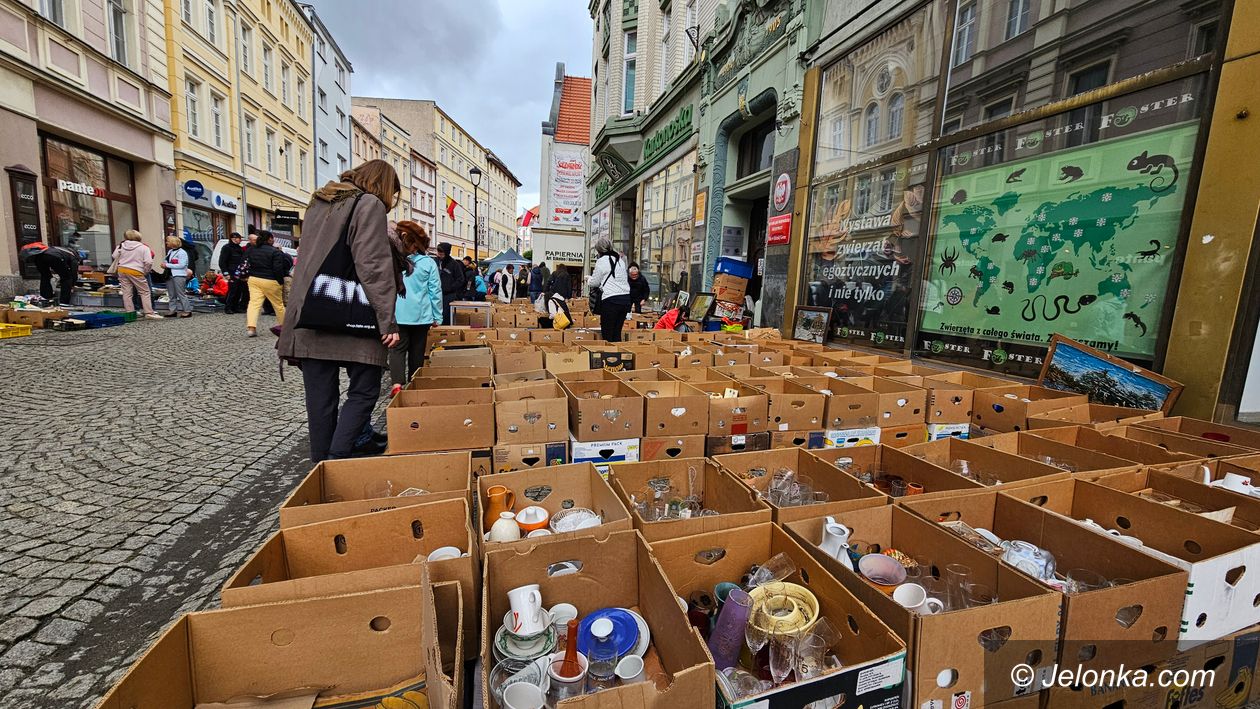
[
  {"x": 336, "y": 301},
  {"x": 597, "y": 292}
]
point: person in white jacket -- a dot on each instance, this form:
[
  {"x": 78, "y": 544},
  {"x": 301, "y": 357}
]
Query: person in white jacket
[
  {"x": 507, "y": 284},
  {"x": 176, "y": 264},
  {"x": 611, "y": 277}
]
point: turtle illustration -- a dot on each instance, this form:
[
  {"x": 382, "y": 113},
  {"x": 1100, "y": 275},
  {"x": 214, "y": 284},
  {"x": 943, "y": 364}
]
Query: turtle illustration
[{"x": 1064, "y": 270}]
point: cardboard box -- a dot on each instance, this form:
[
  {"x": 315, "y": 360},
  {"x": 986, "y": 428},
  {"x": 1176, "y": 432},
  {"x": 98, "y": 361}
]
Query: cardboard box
[
  {"x": 508, "y": 361},
  {"x": 791, "y": 407},
  {"x": 509, "y": 457},
  {"x": 423, "y": 382},
  {"x": 440, "y": 420},
  {"x": 504, "y": 319},
  {"x": 484, "y": 336},
  {"x": 1116, "y": 446},
  {"x": 900, "y": 404},
  {"x": 1219, "y": 598},
  {"x": 555, "y": 488},
  {"x": 1180, "y": 488},
  {"x": 947, "y": 402},
  {"x": 361, "y": 553},
  {"x": 617, "y": 570},
  {"x": 937, "y": 431},
  {"x": 689, "y": 358},
  {"x": 526, "y": 320},
  {"x": 512, "y": 334},
  {"x": 991, "y": 467},
  {"x": 1040, "y": 446},
  {"x": 696, "y": 375},
  {"x": 572, "y": 361},
  {"x": 735, "y": 409},
  {"x": 869, "y": 651},
  {"x": 1201, "y": 448},
  {"x": 516, "y": 379},
  {"x": 603, "y": 454},
  {"x": 1097, "y": 416},
  {"x": 588, "y": 375},
  {"x": 582, "y": 336},
  {"x": 737, "y": 505},
  {"x": 612, "y": 361},
  {"x": 343, "y": 488},
  {"x": 1009, "y": 408},
  {"x": 644, "y": 375},
  {"x": 669, "y": 447},
  {"x": 37, "y": 319},
  {"x": 798, "y": 439},
  {"x": 536, "y": 413},
  {"x": 673, "y": 408},
  {"x": 331, "y": 642},
  {"x": 728, "y": 288},
  {"x": 604, "y": 411},
  {"x": 463, "y": 357},
  {"x": 848, "y": 406},
  {"x": 1090, "y": 633},
  {"x": 852, "y": 437},
  {"x": 1199, "y": 428},
  {"x": 946, "y": 646},
  {"x": 717, "y": 445},
  {"x": 872, "y": 465},
  {"x": 655, "y": 360},
  {"x": 547, "y": 336},
  {"x": 756, "y": 469},
  {"x": 903, "y": 436}
]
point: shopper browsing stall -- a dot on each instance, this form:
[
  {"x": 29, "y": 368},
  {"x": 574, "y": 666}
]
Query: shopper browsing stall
[
  {"x": 610, "y": 287},
  {"x": 176, "y": 264},
  {"x": 417, "y": 309},
  {"x": 51, "y": 260}
]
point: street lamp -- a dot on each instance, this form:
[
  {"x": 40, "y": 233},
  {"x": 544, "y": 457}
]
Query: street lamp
[{"x": 475, "y": 175}]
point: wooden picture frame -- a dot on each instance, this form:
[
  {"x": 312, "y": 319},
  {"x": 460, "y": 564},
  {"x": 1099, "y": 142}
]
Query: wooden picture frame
[
  {"x": 1117, "y": 382},
  {"x": 701, "y": 306},
  {"x": 811, "y": 324}
]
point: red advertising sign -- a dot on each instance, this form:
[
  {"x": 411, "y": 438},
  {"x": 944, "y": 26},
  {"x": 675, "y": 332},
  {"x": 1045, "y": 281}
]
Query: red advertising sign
[{"x": 780, "y": 231}]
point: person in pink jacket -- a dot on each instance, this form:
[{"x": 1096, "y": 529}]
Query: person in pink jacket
[{"x": 132, "y": 262}]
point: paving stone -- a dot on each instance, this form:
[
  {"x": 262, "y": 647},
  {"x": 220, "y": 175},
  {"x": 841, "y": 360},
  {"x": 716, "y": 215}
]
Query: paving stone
[{"x": 14, "y": 628}]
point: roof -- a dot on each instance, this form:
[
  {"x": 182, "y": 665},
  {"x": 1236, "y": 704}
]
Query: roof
[
  {"x": 574, "y": 124},
  {"x": 496, "y": 160}
]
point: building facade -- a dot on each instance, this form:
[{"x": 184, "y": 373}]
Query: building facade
[
  {"x": 365, "y": 144},
  {"x": 395, "y": 149},
  {"x": 498, "y": 210},
  {"x": 424, "y": 192},
  {"x": 85, "y": 128},
  {"x": 566, "y": 138},
  {"x": 330, "y": 101}
]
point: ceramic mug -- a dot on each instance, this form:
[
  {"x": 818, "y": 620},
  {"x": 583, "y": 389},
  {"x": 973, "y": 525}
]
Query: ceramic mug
[
  {"x": 527, "y": 610},
  {"x": 914, "y": 598},
  {"x": 523, "y": 695},
  {"x": 443, "y": 553},
  {"x": 630, "y": 669}
]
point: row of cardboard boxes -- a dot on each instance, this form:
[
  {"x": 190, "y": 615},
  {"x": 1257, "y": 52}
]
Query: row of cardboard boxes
[{"x": 1188, "y": 600}]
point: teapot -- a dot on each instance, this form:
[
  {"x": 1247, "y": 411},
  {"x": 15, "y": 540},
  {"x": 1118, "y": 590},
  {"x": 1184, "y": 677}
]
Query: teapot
[
  {"x": 835, "y": 541},
  {"x": 1029, "y": 558}
]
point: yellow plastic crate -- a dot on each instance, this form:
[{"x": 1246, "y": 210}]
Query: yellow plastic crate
[{"x": 7, "y": 331}]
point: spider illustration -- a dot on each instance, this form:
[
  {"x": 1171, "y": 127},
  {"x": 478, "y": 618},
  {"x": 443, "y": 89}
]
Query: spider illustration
[{"x": 949, "y": 260}]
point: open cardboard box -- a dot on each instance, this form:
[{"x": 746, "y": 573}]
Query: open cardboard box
[
  {"x": 755, "y": 470},
  {"x": 900, "y": 404},
  {"x": 1132, "y": 624},
  {"x": 655, "y": 360},
  {"x": 792, "y": 407},
  {"x": 673, "y": 408},
  {"x": 536, "y": 413},
  {"x": 554, "y": 488},
  {"x": 361, "y": 553},
  {"x": 735, "y": 409},
  {"x": 1115, "y": 446},
  {"x": 1043, "y": 447},
  {"x": 519, "y": 456},
  {"x": 353, "y": 650},
  {"x": 742, "y": 372},
  {"x": 1009, "y": 408},
  {"x": 569, "y": 361},
  {"x": 1007, "y": 469},
  {"x": 1198, "y": 428},
  {"x": 422, "y": 382},
  {"x": 737, "y": 505},
  {"x": 440, "y": 420},
  {"x": 1178, "y": 486},
  {"x": 948, "y": 664},
  {"x": 475, "y": 356},
  {"x": 1178, "y": 443},
  {"x": 1222, "y": 594},
  {"x": 872, "y": 655},
  {"x": 507, "y": 360},
  {"x": 643, "y": 375},
  {"x": 697, "y": 375},
  {"x": 512, "y": 334},
  {"x": 947, "y": 402},
  {"x": 604, "y": 410},
  {"x": 1099, "y": 416},
  {"x": 670, "y": 447},
  {"x": 547, "y": 336},
  {"x": 515, "y": 379},
  {"x": 849, "y": 406},
  {"x": 798, "y": 439},
  {"x": 869, "y": 462},
  {"x": 342, "y": 488},
  {"x": 617, "y": 571}
]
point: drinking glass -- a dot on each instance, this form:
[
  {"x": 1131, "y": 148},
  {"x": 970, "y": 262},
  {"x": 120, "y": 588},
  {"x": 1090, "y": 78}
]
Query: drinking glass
[
  {"x": 782, "y": 657},
  {"x": 897, "y": 487},
  {"x": 754, "y": 632},
  {"x": 994, "y": 638},
  {"x": 957, "y": 576},
  {"x": 378, "y": 488},
  {"x": 811, "y": 653},
  {"x": 963, "y": 467},
  {"x": 821, "y": 497},
  {"x": 776, "y": 568},
  {"x": 1082, "y": 580},
  {"x": 978, "y": 594}
]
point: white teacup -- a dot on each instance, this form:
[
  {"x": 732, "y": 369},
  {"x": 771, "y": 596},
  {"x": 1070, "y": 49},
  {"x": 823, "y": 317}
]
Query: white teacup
[
  {"x": 527, "y": 611},
  {"x": 442, "y": 553},
  {"x": 1235, "y": 482},
  {"x": 523, "y": 695},
  {"x": 914, "y": 598},
  {"x": 630, "y": 669}
]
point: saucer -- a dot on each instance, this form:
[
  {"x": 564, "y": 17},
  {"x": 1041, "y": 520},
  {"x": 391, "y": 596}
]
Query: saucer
[
  {"x": 508, "y": 646},
  {"x": 508, "y": 624}
]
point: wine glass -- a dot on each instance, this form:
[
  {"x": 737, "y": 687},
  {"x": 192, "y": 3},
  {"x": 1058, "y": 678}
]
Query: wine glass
[
  {"x": 776, "y": 568},
  {"x": 811, "y": 651},
  {"x": 782, "y": 656},
  {"x": 755, "y": 631}
]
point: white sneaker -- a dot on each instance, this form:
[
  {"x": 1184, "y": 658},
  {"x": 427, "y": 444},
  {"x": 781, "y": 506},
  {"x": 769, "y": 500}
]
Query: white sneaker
[{"x": 152, "y": 316}]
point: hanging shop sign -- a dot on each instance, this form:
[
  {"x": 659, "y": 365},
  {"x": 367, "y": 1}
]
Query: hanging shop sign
[
  {"x": 779, "y": 230},
  {"x": 285, "y": 218},
  {"x": 782, "y": 191},
  {"x": 224, "y": 203}
]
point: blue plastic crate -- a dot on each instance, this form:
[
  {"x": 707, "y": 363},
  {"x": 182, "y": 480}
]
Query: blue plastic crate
[
  {"x": 98, "y": 320},
  {"x": 733, "y": 266}
]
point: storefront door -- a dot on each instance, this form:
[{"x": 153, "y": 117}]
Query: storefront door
[{"x": 91, "y": 199}]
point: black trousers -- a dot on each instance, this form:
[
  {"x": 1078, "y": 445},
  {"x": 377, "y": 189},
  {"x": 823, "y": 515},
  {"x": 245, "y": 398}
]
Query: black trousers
[
  {"x": 612, "y": 316},
  {"x": 47, "y": 266},
  {"x": 406, "y": 358},
  {"x": 238, "y": 296},
  {"x": 334, "y": 428}
]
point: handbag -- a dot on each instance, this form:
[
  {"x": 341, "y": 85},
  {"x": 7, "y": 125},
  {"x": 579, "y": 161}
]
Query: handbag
[
  {"x": 336, "y": 301},
  {"x": 597, "y": 292}
]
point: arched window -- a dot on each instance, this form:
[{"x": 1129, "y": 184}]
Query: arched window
[
  {"x": 896, "y": 114},
  {"x": 871, "y": 125}
]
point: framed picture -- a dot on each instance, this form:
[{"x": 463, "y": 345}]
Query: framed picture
[
  {"x": 668, "y": 302},
  {"x": 811, "y": 324},
  {"x": 701, "y": 306},
  {"x": 1072, "y": 366}
]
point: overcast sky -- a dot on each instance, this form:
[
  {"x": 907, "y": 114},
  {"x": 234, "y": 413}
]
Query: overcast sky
[{"x": 488, "y": 63}]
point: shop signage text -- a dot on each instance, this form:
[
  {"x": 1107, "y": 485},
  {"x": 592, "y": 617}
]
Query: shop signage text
[
  {"x": 780, "y": 230},
  {"x": 80, "y": 188},
  {"x": 224, "y": 202},
  {"x": 194, "y": 189},
  {"x": 602, "y": 188},
  {"x": 667, "y": 136}
]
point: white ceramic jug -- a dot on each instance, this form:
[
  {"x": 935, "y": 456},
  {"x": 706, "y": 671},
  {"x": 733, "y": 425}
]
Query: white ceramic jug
[{"x": 835, "y": 541}]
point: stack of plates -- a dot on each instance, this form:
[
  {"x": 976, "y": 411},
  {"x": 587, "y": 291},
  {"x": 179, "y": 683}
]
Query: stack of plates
[{"x": 630, "y": 631}]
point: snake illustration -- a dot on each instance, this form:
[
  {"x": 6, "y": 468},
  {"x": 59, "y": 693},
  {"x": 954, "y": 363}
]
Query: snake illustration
[{"x": 1060, "y": 302}]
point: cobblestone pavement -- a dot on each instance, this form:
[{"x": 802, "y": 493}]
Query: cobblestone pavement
[{"x": 139, "y": 466}]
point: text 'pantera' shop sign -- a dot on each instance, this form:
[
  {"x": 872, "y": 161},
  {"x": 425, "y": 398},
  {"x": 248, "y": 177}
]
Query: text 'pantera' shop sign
[
  {"x": 668, "y": 136},
  {"x": 80, "y": 188}
]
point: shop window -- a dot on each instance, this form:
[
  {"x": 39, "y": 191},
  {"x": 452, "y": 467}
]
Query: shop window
[
  {"x": 1018, "y": 14},
  {"x": 629, "y": 61},
  {"x": 54, "y": 11},
  {"x": 756, "y": 150},
  {"x": 1095, "y": 77},
  {"x": 118, "y": 173},
  {"x": 89, "y": 197},
  {"x": 896, "y": 115},
  {"x": 965, "y": 34},
  {"x": 870, "y": 125}
]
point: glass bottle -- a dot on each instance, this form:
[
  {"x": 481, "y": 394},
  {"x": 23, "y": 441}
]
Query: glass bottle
[
  {"x": 601, "y": 672},
  {"x": 571, "y": 667}
]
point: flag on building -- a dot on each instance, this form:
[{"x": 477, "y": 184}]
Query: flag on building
[
  {"x": 529, "y": 217},
  {"x": 450, "y": 206}
]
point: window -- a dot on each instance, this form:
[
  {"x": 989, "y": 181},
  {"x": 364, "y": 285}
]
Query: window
[
  {"x": 896, "y": 115},
  {"x": 870, "y": 127},
  {"x": 836, "y": 147},
  {"x": 1078, "y": 83},
  {"x": 1204, "y": 39},
  {"x": 302, "y": 168},
  {"x": 341, "y": 163},
  {"x": 185, "y": 10},
  {"x": 284, "y": 83},
  {"x": 268, "y": 81},
  {"x": 192, "y": 91},
  {"x": 689, "y": 49},
  {"x": 965, "y": 34},
  {"x": 247, "y": 48},
  {"x": 300, "y": 98},
  {"x": 251, "y": 129},
  {"x": 995, "y": 143},
  {"x": 323, "y": 150},
  {"x": 442, "y": 152},
  {"x": 212, "y": 23},
  {"x": 341, "y": 120},
  {"x": 756, "y": 149},
  {"x": 323, "y": 100},
  {"x": 54, "y": 11},
  {"x": 627, "y": 74},
  {"x": 319, "y": 45},
  {"x": 216, "y": 119},
  {"x": 862, "y": 195},
  {"x": 341, "y": 75},
  {"x": 118, "y": 31},
  {"x": 887, "y": 180},
  {"x": 270, "y": 147},
  {"x": 665, "y": 70},
  {"x": 1018, "y": 12}
]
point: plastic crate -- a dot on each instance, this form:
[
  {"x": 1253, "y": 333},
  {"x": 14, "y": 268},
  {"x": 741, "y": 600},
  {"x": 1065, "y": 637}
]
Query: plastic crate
[
  {"x": 98, "y": 320},
  {"x": 128, "y": 315},
  {"x": 733, "y": 266},
  {"x": 7, "y": 331}
]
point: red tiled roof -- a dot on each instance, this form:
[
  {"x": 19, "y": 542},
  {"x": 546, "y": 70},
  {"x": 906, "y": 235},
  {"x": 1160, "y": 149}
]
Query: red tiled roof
[{"x": 574, "y": 124}]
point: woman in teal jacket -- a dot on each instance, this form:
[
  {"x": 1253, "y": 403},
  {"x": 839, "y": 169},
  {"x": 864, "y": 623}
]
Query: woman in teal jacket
[{"x": 420, "y": 308}]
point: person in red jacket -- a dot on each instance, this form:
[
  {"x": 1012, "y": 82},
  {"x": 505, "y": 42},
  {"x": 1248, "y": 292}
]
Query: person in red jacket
[{"x": 214, "y": 285}]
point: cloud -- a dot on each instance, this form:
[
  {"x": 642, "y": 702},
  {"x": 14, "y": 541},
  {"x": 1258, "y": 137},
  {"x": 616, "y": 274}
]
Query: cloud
[{"x": 489, "y": 63}]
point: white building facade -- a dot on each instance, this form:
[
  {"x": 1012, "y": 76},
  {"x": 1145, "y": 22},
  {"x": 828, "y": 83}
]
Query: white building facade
[{"x": 331, "y": 100}]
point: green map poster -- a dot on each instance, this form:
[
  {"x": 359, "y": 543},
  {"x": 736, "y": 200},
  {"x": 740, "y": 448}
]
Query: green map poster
[{"x": 1078, "y": 242}]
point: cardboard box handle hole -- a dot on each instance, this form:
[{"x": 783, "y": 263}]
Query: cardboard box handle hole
[
  {"x": 1234, "y": 575},
  {"x": 995, "y": 638},
  {"x": 1123, "y": 522},
  {"x": 380, "y": 624},
  {"x": 675, "y": 452},
  {"x": 339, "y": 543},
  {"x": 417, "y": 529},
  {"x": 564, "y": 568},
  {"x": 1126, "y": 617},
  {"x": 945, "y": 678},
  {"x": 282, "y": 637},
  {"x": 1087, "y": 652},
  {"x": 853, "y": 625},
  {"x": 1193, "y": 547},
  {"x": 1033, "y": 658},
  {"x": 708, "y": 557},
  {"x": 1039, "y": 500}
]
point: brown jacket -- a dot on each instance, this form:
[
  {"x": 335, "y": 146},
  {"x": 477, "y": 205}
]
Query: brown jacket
[{"x": 373, "y": 261}]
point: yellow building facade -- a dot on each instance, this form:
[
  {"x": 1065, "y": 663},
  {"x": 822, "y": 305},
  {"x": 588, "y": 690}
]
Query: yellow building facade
[{"x": 385, "y": 139}]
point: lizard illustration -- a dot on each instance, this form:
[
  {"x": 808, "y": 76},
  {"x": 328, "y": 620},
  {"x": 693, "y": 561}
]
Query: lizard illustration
[
  {"x": 1154, "y": 165},
  {"x": 1151, "y": 252},
  {"x": 1137, "y": 322},
  {"x": 975, "y": 273},
  {"x": 1008, "y": 286}
]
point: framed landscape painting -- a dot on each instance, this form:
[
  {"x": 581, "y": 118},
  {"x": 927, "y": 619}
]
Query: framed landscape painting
[
  {"x": 1072, "y": 366},
  {"x": 811, "y": 324}
]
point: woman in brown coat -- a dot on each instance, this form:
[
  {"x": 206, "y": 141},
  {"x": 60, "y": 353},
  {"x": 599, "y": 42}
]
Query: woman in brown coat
[{"x": 322, "y": 354}]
